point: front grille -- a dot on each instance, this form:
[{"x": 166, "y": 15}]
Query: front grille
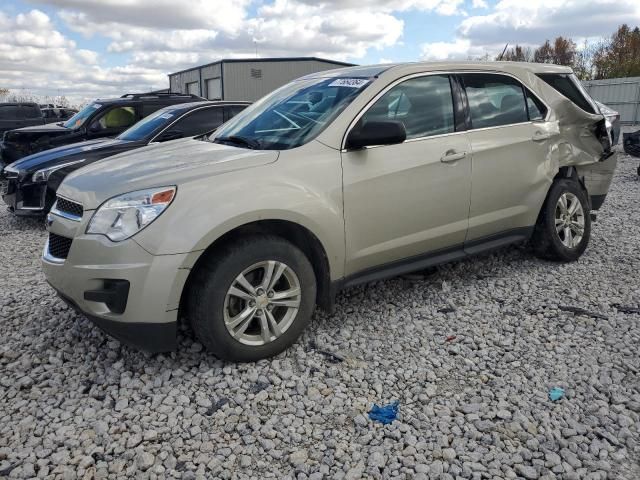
[
  {"x": 67, "y": 206},
  {"x": 59, "y": 246}
]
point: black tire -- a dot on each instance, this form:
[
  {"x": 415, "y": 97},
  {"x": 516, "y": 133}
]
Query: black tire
[
  {"x": 546, "y": 242},
  {"x": 215, "y": 275}
]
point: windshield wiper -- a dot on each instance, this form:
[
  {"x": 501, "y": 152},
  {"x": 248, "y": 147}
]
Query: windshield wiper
[{"x": 238, "y": 140}]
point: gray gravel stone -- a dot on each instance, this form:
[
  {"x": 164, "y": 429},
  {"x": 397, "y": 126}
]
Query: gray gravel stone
[{"x": 76, "y": 403}]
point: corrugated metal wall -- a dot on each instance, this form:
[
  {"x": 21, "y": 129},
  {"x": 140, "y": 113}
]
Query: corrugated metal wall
[
  {"x": 178, "y": 82},
  {"x": 253, "y": 79},
  {"x": 621, "y": 94}
]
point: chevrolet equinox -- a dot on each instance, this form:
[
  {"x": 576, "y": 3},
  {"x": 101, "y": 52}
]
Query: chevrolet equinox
[{"x": 337, "y": 178}]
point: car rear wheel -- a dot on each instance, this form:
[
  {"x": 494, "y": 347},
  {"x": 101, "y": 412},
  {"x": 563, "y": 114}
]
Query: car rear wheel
[
  {"x": 251, "y": 299},
  {"x": 564, "y": 225}
]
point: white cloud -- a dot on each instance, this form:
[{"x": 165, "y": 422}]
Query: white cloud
[
  {"x": 479, "y": 4},
  {"x": 530, "y": 23}
]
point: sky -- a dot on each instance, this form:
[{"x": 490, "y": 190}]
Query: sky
[{"x": 85, "y": 49}]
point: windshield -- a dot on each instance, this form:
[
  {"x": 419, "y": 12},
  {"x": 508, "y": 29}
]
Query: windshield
[
  {"x": 148, "y": 126},
  {"x": 292, "y": 115},
  {"x": 81, "y": 117}
]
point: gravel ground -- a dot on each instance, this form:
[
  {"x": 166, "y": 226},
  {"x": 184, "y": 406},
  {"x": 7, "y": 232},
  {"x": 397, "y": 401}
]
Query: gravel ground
[{"x": 470, "y": 351}]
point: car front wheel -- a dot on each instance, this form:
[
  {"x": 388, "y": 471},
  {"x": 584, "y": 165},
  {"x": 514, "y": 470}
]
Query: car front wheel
[{"x": 251, "y": 299}]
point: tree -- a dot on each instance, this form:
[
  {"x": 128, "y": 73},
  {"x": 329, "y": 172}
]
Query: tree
[
  {"x": 620, "y": 55},
  {"x": 562, "y": 52},
  {"x": 517, "y": 54}
]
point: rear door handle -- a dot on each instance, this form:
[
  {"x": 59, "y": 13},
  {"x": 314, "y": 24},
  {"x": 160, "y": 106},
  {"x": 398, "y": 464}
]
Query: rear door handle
[
  {"x": 540, "y": 136},
  {"x": 452, "y": 156}
]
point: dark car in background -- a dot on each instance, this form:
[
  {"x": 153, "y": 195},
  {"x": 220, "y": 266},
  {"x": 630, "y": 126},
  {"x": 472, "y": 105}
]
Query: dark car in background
[
  {"x": 57, "y": 114},
  {"x": 99, "y": 119},
  {"x": 19, "y": 114},
  {"x": 29, "y": 185}
]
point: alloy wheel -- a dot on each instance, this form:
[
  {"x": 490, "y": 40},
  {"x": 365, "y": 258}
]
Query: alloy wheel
[
  {"x": 262, "y": 303},
  {"x": 569, "y": 220}
]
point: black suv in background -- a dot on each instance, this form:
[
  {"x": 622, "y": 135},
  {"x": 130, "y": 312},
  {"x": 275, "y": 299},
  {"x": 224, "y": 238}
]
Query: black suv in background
[
  {"x": 101, "y": 118},
  {"x": 19, "y": 114},
  {"x": 29, "y": 185},
  {"x": 57, "y": 114}
]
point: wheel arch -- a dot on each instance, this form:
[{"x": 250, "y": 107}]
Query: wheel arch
[{"x": 299, "y": 235}]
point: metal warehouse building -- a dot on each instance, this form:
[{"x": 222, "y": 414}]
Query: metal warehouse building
[{"x": 246, "y": 79}]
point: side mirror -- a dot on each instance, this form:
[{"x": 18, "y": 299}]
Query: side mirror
[
  {"x": 170, "y": 135},
  {"x": 95, "y": 127},
  {"x": 376, "y": 133}
]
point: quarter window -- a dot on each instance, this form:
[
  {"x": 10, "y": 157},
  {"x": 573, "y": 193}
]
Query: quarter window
[
  {"x": 568, "y": 86},
  {"x": 494, "y": 100},
  {"x": 424, "y": 105},
  {"x": 537, "y": 110}
]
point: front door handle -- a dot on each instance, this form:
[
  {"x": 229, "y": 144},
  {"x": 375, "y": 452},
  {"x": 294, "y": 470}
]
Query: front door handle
[
  {"x": 540, "y": 136},
  {"x": 452, "y": 156}
]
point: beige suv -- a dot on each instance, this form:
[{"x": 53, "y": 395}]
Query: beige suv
[{"x": 335, "y": 179}]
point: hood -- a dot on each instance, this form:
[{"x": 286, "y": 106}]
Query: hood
[
  {"x": 74, "y": 151},
  {"x": 171, "y": 163},
  {"x": 49, "y": 128}
]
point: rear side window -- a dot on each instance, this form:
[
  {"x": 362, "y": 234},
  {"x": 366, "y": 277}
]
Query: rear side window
[
  {"x": 199, "y": 122},
  {"x": 233, "y": 110},
  {"x": 149, "y": 108},
  {"x": 8, "y": 112},
  {"x": 424, "y": 105},
  {"x": 567, "y": 85},
  {"x": 536, "y": 109},
  {"x": 31, "y": 111},
  {"x": 494, "y": 100}
]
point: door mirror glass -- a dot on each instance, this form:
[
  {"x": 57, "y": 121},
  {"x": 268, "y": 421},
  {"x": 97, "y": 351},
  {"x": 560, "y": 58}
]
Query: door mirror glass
[
  {"x": 376, "y": 133},
  {"x": 170, "y": 135}
]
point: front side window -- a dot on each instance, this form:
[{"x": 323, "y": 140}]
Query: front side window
[
  {"x": 494, "y": 100},
  {"x": 149, "y": 126},
  {"x": 292, "y": 115},
  {"x": 424, "y": 105},
  {"x": 114, "y": 119}
]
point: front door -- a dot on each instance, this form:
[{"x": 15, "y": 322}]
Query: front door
[{"x": 405, "y": 200}]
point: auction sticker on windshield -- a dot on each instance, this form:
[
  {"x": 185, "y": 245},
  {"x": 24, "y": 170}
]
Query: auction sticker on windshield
[{"x": 349, "y": 82}]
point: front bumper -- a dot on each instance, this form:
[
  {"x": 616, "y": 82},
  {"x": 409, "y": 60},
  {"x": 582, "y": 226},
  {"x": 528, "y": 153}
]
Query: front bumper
[
  {"x": 29, "y": 200},
  {"x": 147, "y": 318}
]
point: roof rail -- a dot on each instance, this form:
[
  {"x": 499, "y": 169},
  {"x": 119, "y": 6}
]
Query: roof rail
[{"x": 160, "y": 95}]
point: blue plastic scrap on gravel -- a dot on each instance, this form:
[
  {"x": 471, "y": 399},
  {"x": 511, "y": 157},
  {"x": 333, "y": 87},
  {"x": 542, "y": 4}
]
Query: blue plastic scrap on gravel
[
  {"x": 386, "y": 414},
  {"x": 556, "y": 393}
]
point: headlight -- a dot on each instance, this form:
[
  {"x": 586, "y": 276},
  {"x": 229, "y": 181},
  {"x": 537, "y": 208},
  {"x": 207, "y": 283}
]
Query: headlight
[
  {"x": 125, "y": 215},
  {"x": 44, "y": 174}
]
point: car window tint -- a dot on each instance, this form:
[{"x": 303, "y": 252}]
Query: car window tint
[
  {"x": 537, "y": 110},
  {"x": 8, "y": 112},
  {"x": 199, "y": 122},
  {"x": 233, "y": 110},
  {"x": 494, "y": 100},
  {"x": 116, "y": 118},
  {"x": 567, "y": 86},
  {"x": 424, "y": 105},
  {"x": 149, "y": 108},
  {"x": 31, "y": 111}
]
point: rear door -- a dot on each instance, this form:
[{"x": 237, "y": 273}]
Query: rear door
[
  {"x": 402, "y": 201},
  {"x": 510, "y": 145}
]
